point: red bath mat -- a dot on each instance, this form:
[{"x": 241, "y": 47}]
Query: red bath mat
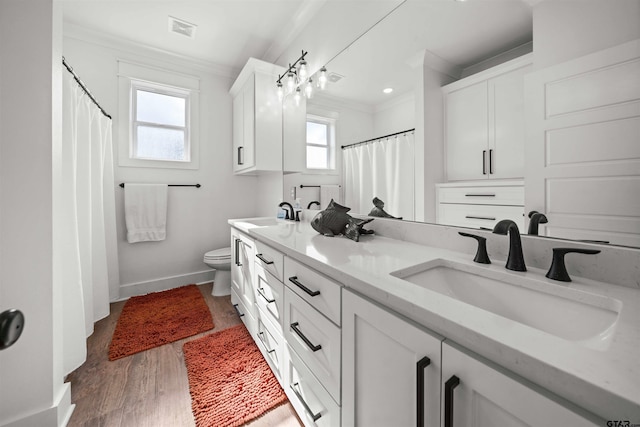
[
  {"x": 229, "y": 380},
  {"x": 159, "y": 318}
]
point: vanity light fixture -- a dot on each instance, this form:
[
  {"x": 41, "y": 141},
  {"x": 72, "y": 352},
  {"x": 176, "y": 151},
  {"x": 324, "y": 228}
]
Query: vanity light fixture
[{"x": 299, "y": 81}]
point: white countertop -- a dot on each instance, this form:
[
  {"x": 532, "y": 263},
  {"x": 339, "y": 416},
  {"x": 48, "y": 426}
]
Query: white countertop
[{"x": 605, "y": 382}]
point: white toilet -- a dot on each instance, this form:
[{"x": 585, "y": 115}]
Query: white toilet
[{"x": 220, "y": 260}]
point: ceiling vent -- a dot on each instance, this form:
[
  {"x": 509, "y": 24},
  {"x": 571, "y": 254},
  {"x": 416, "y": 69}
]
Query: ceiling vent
[
  {"x": 184, "y": 28},
  {"x": 334, "y": 77}
]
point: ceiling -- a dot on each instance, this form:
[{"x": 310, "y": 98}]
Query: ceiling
[{"x": 230, "y": 31}]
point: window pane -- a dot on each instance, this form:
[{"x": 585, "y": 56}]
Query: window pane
[
  {"x": 317, "y": 157},
  {"x": 160, "y": 143},
  {"x": 159, "y": 108},
  {"x": 316, "y": 133}
]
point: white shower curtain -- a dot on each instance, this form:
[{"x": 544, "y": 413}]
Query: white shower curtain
[
  {"x": 85, "y": 255},
  {"x": 383, "y": 169}
]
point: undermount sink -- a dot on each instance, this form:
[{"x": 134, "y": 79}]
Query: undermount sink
[
  {"x": 571, "y": 314},
  {"x": 246, "y": 224}
]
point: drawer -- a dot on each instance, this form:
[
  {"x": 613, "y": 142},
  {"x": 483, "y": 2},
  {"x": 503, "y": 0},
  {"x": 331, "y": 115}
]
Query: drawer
[
  {"x": 489, "y": 195},
  {"x": 247, "y": 316},
  {"x": 271, "y": 344},
  {"x": 270, "y": 259},
  {"x": 269, "y": 296},
  {"x": 314, "y": 405},
  {"x": 319, "y": 291},
  {"x": 315, "y": 340},
  {"x": 479, "y": 216}
]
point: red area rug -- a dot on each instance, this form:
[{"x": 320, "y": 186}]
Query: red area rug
[
  {"x": 229, "y": 380},
  {"x": 159, "y": 318}
]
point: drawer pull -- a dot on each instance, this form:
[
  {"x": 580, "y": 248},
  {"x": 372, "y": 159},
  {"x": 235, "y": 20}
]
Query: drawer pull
[
  {"x": 237, "y": 250},
  {"x": 309, "y": 344},
  {"x": 315, "y": 417},
  {"x": 480, "y": 195},
  {"x": 420, "y": 367},
  {"x": 484, "y": 162},
  {"x": 268, "y": 300},
  {"x": 449, "y": 386},
  {"x": 295, "y": 281},
  {"x": 238, "y": 310},
  {"x": 263, "y": 259},
  {"x": 261, "y": 335},
  {"x": 488, "y": 218},
  {"x": 240, "y": 155}
]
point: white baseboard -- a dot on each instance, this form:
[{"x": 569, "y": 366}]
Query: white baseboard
[
  {"x": 163, "y": 283},
  {"x": 57, "y": 415}
]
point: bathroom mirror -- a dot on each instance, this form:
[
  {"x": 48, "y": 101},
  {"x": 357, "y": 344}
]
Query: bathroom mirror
[{"x": 457, "y": 38}]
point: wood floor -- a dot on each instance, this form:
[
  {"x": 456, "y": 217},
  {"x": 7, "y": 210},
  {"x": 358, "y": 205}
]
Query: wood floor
[{"x": 148, "y": 389}]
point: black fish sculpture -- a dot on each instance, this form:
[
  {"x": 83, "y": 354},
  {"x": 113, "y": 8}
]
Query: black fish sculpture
[
  {"x": 335, "y": 220},
  {"x": 378, "y": 210}
]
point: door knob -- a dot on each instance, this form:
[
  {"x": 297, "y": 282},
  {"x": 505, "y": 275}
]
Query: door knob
[{"x": 11, "y": 326}]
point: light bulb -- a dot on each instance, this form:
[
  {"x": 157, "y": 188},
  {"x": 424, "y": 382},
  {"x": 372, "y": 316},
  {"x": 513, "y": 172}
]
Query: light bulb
[
  {"x": 322, "y": 79},
  {"x": 291, "y": 81},
  {"x": 302, "y": 70},
  {"x": 297, "y": 97},
  {"x": 280, "y": 91},
  {"x": 308, "y": 89}
]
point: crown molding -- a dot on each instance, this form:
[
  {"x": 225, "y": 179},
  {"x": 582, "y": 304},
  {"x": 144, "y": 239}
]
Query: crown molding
[{"x": 88, "y": 35}]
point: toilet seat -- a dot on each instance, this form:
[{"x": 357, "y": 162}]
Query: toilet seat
[{"x": 218, "y": 255}]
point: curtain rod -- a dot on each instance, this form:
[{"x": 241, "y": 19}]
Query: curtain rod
[
  {"x": 376, "y": 139},
  {"x": 174, "y": 185},
  {"x": 83, "y": 87}
]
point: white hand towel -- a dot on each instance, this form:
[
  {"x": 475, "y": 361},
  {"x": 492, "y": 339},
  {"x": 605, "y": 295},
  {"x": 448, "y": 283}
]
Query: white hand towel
[
  {"x": 328, "y": 192},
  {"x": 145, "y": 211}
]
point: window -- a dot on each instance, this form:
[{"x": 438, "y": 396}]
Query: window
[
  {"x": 320, "y": 143},
  {"x": 160, "y": 123},
  {"x": 158, "y": 117}
]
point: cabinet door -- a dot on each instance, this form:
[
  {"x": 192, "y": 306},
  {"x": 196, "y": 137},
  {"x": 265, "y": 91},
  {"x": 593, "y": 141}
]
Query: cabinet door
[
  {"x": 391, "y": 368},
  {"x": 238, "y": 132},
  {"x": 242, "y": 267},
  {"x": 476, "y": 394},
  {"x": 467, "y": 133},
  {"x": 248, "y": 158},
  {"x": 506, "y": 139}
]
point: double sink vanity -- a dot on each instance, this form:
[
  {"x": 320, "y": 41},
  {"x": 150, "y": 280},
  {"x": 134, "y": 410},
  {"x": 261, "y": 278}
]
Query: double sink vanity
[{"x": 391, "y": 331}]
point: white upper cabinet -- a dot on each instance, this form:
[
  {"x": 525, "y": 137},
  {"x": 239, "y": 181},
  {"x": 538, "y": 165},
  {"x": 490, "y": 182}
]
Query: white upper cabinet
[
  {"x": 484, "y": 123},
  {"x": 257, "y": 119}
]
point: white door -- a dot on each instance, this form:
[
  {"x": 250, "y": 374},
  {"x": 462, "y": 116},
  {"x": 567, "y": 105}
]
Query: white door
[
  {"x": 391, "y": 368},
  {"x": 476, "y": 394},
  {"x": 467, "y": 133}
]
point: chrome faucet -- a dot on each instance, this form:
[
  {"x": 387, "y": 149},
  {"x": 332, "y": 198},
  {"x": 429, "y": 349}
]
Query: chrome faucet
[
  {"x": 536, "y": 218},
  {"x": 288, "y": 212},
  {"x": 515, "y": 260}
]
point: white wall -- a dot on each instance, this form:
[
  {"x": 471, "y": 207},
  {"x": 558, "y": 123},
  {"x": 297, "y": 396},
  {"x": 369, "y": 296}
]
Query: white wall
[
  {"x": 196, "y": 218},
  {"x": 32, "y": 392},
  {"x": 564, "y": 30},
  {"x": 395, "y": 115}
]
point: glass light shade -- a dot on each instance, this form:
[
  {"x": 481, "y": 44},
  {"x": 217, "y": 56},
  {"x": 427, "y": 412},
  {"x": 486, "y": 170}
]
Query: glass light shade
[
  {"x": 308, "y": 89},
  {"x": 291, "y": 81},
  {"x": 297, "y": 97},
  {"x": 302, "y": 70},
  {"x": 322, "y": 79},
  {"x": 280, "y": 92}
]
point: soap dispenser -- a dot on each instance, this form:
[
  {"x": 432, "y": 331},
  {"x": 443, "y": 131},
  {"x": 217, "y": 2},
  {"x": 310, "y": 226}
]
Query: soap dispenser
[{"x": 297, "y": 208}]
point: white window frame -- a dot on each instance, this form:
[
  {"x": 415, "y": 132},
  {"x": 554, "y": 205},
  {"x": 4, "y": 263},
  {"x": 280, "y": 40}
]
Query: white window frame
[
  {"x": 162, "y": 90},
  {"x": 331, "y": 142},
  {"x": 133, "y": 76}
]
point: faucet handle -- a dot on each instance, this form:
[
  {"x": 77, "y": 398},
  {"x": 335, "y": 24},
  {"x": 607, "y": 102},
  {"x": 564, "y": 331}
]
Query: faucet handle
[
  {"x": 558, "y": 271},
  {"x": 482, "y": 257}
]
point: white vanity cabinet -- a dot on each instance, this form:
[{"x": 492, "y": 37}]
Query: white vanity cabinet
[
  {"x": 477, "y": 394},
  {"x": 257, "y": 119},
  {"x": 478, "y": 205},
  {"x": 484, "y": 123},
  {"x": 242, "y": 280},
  {"x": 391, "y": 368}
]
